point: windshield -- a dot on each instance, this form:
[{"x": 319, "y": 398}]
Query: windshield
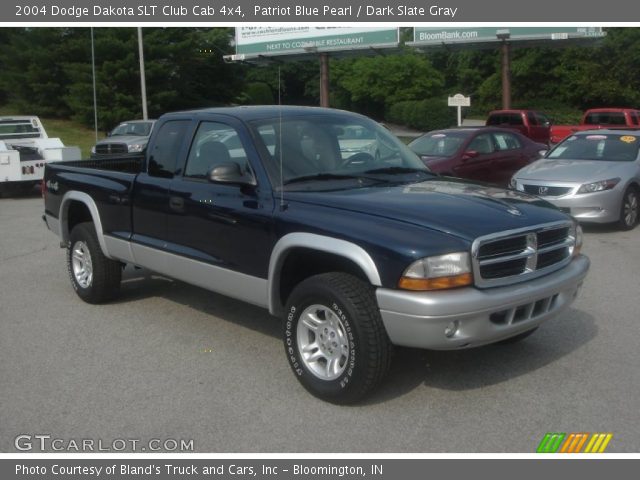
[
  {"x": 605, "y": 147},
  {"x": 12, "y": 129},
  {"x": 137, "y": 129},
  {"x": 333, "y": 148},
  {"x": 438, "y": 144}
]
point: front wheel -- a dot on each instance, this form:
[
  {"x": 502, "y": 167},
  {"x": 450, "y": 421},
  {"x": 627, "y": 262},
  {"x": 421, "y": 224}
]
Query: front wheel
[
  {"x": 334, "y": 338},
  {"x": 94, "y": 277},
  {"x": 629, "y": 210}
]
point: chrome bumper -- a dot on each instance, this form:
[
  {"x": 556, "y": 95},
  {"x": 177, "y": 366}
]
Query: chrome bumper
[{"x": 477, "y": 317}]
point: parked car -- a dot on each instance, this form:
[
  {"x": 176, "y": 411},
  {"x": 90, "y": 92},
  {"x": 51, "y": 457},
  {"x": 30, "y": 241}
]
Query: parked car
[
  {"x": 484, "y": 154},
  {"x": 128, "y": 138},
  {"x": 355, "y": 255},
  {"x": 597, "y": 118},
  {"x": 25, "y": 148},
  {"x": 531, "y": 124},
  {"x": 593, "y": 175}
]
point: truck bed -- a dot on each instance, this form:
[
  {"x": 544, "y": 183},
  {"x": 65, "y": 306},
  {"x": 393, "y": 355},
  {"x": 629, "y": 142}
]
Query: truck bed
[{"x": 125, "y": 165}]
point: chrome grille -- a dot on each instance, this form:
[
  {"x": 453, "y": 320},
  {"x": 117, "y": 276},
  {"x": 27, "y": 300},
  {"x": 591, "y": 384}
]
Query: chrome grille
[
  {"x": 546, "y": 191},
  {"x": 111, "y": 148},
  {"x": 519, "y": 255}
]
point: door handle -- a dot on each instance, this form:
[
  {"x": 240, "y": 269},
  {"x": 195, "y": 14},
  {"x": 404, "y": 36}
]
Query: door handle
[{"x": 176, "y": 204}]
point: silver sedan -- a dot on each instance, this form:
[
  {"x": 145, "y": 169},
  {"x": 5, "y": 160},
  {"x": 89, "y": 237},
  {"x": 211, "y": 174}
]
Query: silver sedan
[{"x": 593, "y": 175}]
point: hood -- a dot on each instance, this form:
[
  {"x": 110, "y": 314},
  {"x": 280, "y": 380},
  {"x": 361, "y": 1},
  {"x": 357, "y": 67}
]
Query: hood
[
  {"x": 126, "y": 139},
  {"x": 467, "y": 210},
  {"x": 571, "y": 171}
]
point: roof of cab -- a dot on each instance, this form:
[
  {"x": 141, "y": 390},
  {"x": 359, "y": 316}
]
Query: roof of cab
[{"x": 259, "y": 112}]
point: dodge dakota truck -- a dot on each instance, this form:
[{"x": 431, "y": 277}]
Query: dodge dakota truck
[
  {"x": 357, "y": 254},
  {"x": 597, "y": 118}
]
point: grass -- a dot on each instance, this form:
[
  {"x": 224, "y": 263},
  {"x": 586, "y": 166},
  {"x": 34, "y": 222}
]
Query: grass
[{"x": 71, "y": 133}]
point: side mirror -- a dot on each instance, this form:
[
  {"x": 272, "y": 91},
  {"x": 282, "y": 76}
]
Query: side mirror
[
  {"x": 469, "y": 154},
  {"x": 109, "y": 133},
  {"x": 230, "y": 173}
]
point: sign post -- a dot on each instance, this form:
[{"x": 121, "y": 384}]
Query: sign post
[{"x": 459, "y": 100}]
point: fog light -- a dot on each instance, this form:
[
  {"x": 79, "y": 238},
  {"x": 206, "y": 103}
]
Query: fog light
[{"x": 451, "y": 329}]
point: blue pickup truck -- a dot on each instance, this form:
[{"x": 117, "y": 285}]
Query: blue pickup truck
[{"x": 356, "y": 251}]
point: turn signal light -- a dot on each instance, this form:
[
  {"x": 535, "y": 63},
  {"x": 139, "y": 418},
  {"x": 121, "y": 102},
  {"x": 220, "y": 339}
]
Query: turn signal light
[{"x": 439, "y": 283}]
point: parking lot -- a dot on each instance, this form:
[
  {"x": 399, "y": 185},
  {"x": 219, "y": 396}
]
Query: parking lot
[{"x": 168, "y": 360}]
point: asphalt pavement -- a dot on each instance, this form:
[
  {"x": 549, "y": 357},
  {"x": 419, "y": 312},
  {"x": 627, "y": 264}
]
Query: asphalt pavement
[{"x": 171, "y": 361}]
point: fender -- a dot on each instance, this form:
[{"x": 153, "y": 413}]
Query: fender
[
  {"x": 322, "y": 243},
  {"x": 74, "y": 195}
]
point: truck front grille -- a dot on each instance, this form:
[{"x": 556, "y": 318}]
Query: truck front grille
[
  {"x": 111, "y": 148},
  {"x": 519, "y": 255}
]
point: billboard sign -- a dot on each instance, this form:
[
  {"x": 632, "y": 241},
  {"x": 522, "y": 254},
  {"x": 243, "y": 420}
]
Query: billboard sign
[
  {"x": 425, "y": 36},
  {"x": 263, "y": 41}
]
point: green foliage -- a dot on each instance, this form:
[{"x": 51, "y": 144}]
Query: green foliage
[
  {"x": 256, "y": 93},
  {"x": 372, "y": 84},
  {"x": 429, "y": 114},
  {"x": 47, "y": 72}
]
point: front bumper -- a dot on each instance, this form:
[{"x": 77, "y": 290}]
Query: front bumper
[{"x": 419, "y": 319}]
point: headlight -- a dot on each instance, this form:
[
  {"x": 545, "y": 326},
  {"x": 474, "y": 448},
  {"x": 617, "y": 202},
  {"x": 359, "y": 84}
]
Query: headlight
[
  {"x": 437, "y": 273},
  {"x": 598, "y": 186},
  {"x": 136, "y": 147},
  {"x": 513, "y": 184},
  {"x": 577, "y": 234},
  {"x": 93, "y": 149}
]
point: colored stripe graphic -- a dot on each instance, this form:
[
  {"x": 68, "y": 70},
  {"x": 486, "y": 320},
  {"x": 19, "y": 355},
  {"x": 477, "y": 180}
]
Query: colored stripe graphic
[
  {"x": 556, "y": 442},
  {"x": 550, "y": 442},
  {"x": 598, "y": 443}
]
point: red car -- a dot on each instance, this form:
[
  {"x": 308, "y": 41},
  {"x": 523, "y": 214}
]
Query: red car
[{"x": 483, "y": 154}]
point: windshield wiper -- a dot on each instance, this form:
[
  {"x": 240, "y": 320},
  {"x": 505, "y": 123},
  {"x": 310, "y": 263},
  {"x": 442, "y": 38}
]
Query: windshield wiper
[
  {"x": 394, "y": 170},
  {"x": 319, "y": 177}
]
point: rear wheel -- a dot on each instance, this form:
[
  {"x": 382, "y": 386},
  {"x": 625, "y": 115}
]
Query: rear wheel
[
  {"x": 334, "y": 338},
  {"x": 629, "y": 210},
  {"x": 94, "y": 277}
]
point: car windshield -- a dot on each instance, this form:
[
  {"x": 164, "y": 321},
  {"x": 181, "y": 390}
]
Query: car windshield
[
  {"x": 334, "y": 149},
  {"x": 137, "y": 129},
  {"x": 439, "y": 144},
  {"x": 605, "y": 147}
]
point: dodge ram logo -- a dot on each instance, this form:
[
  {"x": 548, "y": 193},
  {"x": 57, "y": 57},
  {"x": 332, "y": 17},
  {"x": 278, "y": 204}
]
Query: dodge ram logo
[{"x": 543, "y": 190}]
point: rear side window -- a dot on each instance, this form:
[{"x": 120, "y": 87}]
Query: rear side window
[
  {"x": 532, "y": 118},
  {"x": 214, "y": 144},
  {"x": 605, "y": 118},
  {"x": 505, "y": 119},
  {"x": 506, "y": 141},
  {"x": 163, "y": 158}
]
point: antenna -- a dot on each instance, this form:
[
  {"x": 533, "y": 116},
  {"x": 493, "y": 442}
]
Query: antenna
[{"x": 280, "y": 141}]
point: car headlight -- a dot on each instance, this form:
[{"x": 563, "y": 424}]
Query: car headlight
[
  {"x": 136, "y": 147},
  {"x": 513, "y": 183},
  {"x": 598, "y": 186},
  {"x": 578, "y": 236},
  {"x": 438, "y": 273},
  {"x": 93, "y": 149}
]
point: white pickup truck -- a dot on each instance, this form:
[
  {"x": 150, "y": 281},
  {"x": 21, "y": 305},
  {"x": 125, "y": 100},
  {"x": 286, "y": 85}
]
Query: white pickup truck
[{"x": 25, "y": 148}]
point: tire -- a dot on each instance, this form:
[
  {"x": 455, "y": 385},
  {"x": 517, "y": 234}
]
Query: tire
[
  {"x": 517, "y": 338},
  {"x": 629, "y": 209},
  {"x": 334, "y": 338},
  {"x": 94, "y": 277}
]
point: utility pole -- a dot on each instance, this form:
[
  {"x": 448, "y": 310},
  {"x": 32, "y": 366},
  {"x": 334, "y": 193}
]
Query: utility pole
[
  {"x": 95, "y": 95},
  {"x": 504, "y": 36},
  {"x": 143, "y": 81},
  {"x": 324, "y": 80}
]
